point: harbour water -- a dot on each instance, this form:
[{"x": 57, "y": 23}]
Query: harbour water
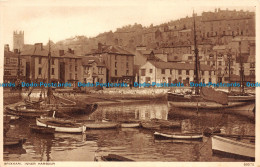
[{"x": 134, "y": 143}]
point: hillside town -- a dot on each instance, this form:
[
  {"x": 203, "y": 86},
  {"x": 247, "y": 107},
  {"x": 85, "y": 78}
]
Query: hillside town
[{"x": 162, "y": 53}]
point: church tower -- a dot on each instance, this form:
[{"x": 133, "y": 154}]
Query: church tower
[{"x": 18, "y": 40}]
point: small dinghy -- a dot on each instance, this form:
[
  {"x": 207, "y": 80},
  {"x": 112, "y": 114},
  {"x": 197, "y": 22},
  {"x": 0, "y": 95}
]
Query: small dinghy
[
  {"x": 101, "y": 125},
  {"x": 230, "y": 147},
  {"x": 150, "y": 125},
  {"x": 179, "y": 136},
  {"x": 61, "y": 125},
  {"x": 13, "y": 142},
  {"x": 167, "y": 124},
  {"x": 112, "y": 157},
  {"x": 41, "y": 129},
  {"x": 130, "y": 124}
]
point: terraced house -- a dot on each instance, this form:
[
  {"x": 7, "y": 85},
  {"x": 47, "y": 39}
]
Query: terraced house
[{"x": 170, "y": 72}]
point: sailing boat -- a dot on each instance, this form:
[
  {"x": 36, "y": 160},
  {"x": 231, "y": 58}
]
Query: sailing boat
[
  {"x": 44, "y": 106},
  {"x": 206, "y": 98}
]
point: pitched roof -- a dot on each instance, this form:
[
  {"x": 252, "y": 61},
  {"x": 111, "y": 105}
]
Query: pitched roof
[
  {"x": 111, "y": 50},
  {"x": 88, "y": 60}
]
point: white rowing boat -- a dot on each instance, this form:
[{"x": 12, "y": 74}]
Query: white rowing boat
[
  {"x": 61, "y": 125},
  {"x": 180, "y": 136},
  {"x": 229, "y": 146}
]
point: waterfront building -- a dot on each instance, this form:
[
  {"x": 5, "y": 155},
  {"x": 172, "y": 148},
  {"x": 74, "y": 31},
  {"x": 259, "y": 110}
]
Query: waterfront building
[
  {"x": 119, "y": 63},
  {"x": 170, "y": 72},
  {"x": 93, "y": 70},
  {"x": 12, "y": 69}
]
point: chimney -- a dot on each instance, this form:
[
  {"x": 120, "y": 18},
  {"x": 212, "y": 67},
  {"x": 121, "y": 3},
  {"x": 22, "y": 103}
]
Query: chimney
[
  {"x": 70, "y": 51},
  {"x": 38, "y": 46},
  {"x": 16, "y": 51},
  {"x": 99, "y": 47},
  {"x": 7, "y": 49},
  {"x": 61, "y": 52}
]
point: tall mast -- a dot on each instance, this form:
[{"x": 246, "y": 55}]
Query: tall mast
[
  {"x": 49, "y": 74},
  {"x": 241, "y": 69},
  {"x": 196, "y": 51}
]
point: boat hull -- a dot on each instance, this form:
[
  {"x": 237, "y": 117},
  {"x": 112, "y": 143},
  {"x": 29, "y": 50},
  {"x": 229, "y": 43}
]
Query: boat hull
[
  {"x": 184, "y": 136},
  {"x": 58, "y": 128},
  {"x": 232, "y": 147},
  {"x": 101, "y": 125},
  {"x": 130, "y": 125}
]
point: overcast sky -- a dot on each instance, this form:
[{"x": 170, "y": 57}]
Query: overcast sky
[{"x": 59, "y": 20}]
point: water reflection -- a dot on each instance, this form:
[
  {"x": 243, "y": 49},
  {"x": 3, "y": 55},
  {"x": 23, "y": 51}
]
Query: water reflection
[{"x": 134, "y": 143}]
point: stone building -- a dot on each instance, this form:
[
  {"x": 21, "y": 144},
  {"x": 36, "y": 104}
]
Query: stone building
[
  {"x": 118, "y": 61},
  {"x": 18, "y": 40}
]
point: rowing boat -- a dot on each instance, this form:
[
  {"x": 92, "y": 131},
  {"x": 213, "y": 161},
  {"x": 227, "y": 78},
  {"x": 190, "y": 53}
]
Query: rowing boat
[
  {"x": 41, "y": 129},
  {"x": 61, "y": 125},
  {"x": 100, "y": 125},
  {"x": 179, "y": 136},
  {"x": 13, "y": 142},
  {"x": 129, "y": 124},
  {"x": 223, "y": 145},
  {"x": 111, "y": 157},
  {"x": 150, "y": 125}
]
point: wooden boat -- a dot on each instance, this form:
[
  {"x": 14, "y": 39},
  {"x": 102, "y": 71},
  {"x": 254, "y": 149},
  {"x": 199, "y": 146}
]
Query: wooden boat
[
  {"x": 61, "y": 125},
  {"x": 225, "y": 146},
  {"x": 166, "y": 123},
  {"x": 150, "y": 125},
  {"x": 112, "y": 157},
  {"x": 179, "y": 136},
  {"x": 129, "y": 124},
  {"x": 13, "y": 142},
  {"x": 41, "y": 129},
  {"x": 101, "y": 125}
]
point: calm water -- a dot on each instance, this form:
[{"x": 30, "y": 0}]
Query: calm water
[{"x": 136, "y": 144}]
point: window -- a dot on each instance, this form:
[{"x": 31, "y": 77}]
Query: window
[
  {"x": 142, "y": 72},
  {"x": 115, "y": 72},
  {"x": 163, "y": 71},
  {"x": 115, "y": 64},
  {"x": 151, "y": 70},
  {"x": 115, "y": 57},
  {"x": 76, "y": 76},
  {"x": 70, "y": 75},
  {"x": 252, "y": 65},
  {"x": 127, "y": 72},
  {"x": 70, "y": 67},
  {"x": 171, "y": 71},
  {"x": 209, "y": 79},
  {"x": 202, "y": 72},
  {"x": 76, "y": 68},
  {"x": 52, "y": 71},
  {"x": 40, "y": 71},
  {"x": 126, "y": 64},
  {"x": 179, "y": 72},
  {"x": 252, "y": 72},
  {"x": 52, "y": 61},
  {"x": 219, "y": 63},
  {"x": 40, "y": 60},
  {"x": 187, "y": 72}
]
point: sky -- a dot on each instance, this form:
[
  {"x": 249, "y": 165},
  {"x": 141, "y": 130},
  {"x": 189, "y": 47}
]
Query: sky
[{"x": 58, "y": 20}]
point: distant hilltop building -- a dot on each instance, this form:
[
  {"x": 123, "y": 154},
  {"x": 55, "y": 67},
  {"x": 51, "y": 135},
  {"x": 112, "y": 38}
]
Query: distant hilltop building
[{"x": 18, "y": 40}]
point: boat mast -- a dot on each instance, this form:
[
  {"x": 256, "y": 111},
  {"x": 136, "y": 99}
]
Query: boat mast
[
  {"x": 229, "y": 71},
  {"x": 241, "y": 69},
  {"x": 49, "y": 74},
  {"x": 196, "y": 51}
]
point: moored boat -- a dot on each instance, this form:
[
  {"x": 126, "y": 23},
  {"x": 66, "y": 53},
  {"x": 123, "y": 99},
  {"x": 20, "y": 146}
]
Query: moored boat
[
  {"x": 41, "y": 129},
  {"x": 179, "y": 136},
  {"x": 111, "y": 157},
  {"x": 61, "y": 125},
  {"x": 101, "y": 125},
  {"x": 223, "y": 145},
  {"x": 13, "y": 142},
  {"x": 129, "y": 124},
  {"x": 150, "y": 125},
  {"x": 166, "y": 123}
]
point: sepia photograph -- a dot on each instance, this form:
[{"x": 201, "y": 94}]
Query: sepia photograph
[{"x": 83, "y": 82}]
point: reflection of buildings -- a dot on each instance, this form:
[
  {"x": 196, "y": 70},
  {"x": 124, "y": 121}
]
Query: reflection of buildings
[{"x": 143, "y": 111}]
